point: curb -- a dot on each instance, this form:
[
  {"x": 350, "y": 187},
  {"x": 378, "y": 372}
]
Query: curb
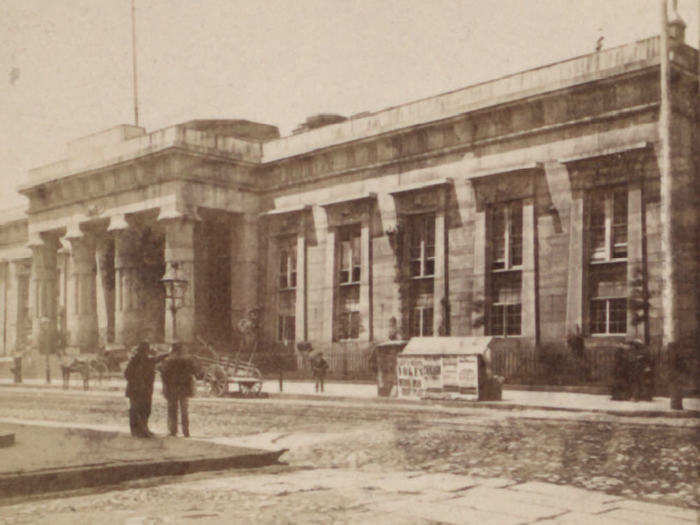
[
  {"x": 58, "y": 480},
  {"x": 513, "y": 407}
]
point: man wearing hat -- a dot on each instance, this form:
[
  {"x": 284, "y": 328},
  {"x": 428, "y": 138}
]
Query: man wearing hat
[
  {"x": 140, "y": 374},
  {"x": 178, "y": 374}
]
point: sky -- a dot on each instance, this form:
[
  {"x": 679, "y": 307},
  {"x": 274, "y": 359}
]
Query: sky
[{"x": 67, "y": 65}]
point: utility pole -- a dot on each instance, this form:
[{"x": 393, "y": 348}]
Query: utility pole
[{"x": 133, "y": 54}]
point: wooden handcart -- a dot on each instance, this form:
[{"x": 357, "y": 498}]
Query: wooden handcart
[{"x": 220, "y": 372}]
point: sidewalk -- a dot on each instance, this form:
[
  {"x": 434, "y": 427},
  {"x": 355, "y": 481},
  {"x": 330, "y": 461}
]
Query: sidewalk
[
  {"x": 352, "y": 496},
  {"x": 512, "y": 399},
  {"x": 67, "y": 456}
]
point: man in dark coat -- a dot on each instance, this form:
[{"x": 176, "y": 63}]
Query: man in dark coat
[
  {"x": 178, "y": 374},
  {"x": 319, "y": 367},
  {"x": 140, "y": 373}
]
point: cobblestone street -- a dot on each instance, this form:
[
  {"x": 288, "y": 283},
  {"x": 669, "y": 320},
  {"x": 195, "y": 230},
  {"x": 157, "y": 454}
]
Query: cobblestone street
[{"x": 352, "y": 463}]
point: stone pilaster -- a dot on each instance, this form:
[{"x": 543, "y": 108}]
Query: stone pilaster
[
  {"x": 179, "y": 256},
  {"x": 4, "y": 293},
  {"x": 366, "y": 280},
  {"x": 481, "y": 270},
  {"x": 127, "y": 314},
  {"x": 440, "y": 314},
  {"x": 577, "y": 266},
  {"x": 300, "y": 307},
  {"x": 636, "y": 275},
  {"x": 329, "y": 295},
  {"x": 528, "y": 291},
  {"x": 81, "y": 303}
]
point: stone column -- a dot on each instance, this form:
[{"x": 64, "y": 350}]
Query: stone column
[
  {"x": 127, "y": 314},
  {"x": 300, "y": 308},
  {"x": 179, "y": 255},
  {"x": 636, "y": 285},
  {"x": 440, "y": 316},
  {"x": 4, "y": 295},
  {"x": 244, "y": 267},
  {"x": 271, "y": 312},
  {"x": 81, "y": 305},
  {"x": 577, "y": 265},
  {"x": 42, "y": 294},
  {"x": 104, "y": 290},
  {"x": 482, "y": 267},
  {"x": 329, "y": 295},
  {"x": 366, "y": 279},
  {"x": 13, "y": 309},
  {"x": 528, "y": 292}
]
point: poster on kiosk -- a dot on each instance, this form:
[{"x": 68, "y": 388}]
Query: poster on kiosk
[{"x": 441, "y": 366}]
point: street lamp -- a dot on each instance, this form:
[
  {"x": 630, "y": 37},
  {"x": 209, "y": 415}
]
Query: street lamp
[{"x": 175, "y": 288}]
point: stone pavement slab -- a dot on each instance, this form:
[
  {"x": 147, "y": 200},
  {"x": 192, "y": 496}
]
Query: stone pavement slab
[
  {"x": 662, "y": 511},
  {"x": 649, "y": 517},
  {"x": 340, "y": 496},
  {"x": 52, "y": 458},
  {"x": 501, "y": 501}
]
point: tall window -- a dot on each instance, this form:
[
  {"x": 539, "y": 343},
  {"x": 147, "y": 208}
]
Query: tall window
[
  {"x": 507, "y": 235},
  {"x": 607, "y": 286},
  {"x": 607, "y": 276},
  {"x": 288, "y": 264},
  {"x": 286, "y": 300},
  {"x": 349, "y": 257},
  {"x": 422, "y": 245},
  {"x": 421, "y": 253},
  {"x": 349, "y": 274},
  {"x": 505, "y": 308},
  {"x": 608, "y": 225},
  {"x": 286, "y": 326},
  {"x": 504, "y": 311},
  {"x": 422, "y": 320}
]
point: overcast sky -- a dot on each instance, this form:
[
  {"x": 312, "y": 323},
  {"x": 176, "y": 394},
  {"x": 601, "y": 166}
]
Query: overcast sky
[{"x": 67, "y": 64}]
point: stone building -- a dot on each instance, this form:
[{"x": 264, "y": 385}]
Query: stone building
[{"x": 527, "y": 207}]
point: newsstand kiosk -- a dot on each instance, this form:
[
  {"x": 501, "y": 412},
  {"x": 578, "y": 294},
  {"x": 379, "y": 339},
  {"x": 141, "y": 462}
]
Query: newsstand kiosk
[{"x": 447, "y": 368}]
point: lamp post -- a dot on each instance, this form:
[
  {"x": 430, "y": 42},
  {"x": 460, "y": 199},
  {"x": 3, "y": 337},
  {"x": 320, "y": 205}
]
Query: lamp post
[{"x": 175, "y": 288}]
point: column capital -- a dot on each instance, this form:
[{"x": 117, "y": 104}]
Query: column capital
[
  {"x": 118, "y": 223},
  {"x": 178, "y": 213}
]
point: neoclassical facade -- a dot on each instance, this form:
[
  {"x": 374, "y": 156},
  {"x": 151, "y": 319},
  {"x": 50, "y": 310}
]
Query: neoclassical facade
[{"x": 527, "y": 208}]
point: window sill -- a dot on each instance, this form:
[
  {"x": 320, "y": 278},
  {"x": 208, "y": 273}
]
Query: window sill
[
  {"x": 506, "y": 270},
  {"x": 282, "y": 290},
  {"x": 419, "y": 277},
  {"x": 353, "y": 283},
  {"x": 608, "y": 261}
]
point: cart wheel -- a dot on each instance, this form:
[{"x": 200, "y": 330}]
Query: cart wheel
[
  {"x": 256, "y": 388},
  {"x": 217, "y": 379}
]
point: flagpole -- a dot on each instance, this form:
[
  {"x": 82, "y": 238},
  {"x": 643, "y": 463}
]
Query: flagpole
[{"x": 133, "y": 54}]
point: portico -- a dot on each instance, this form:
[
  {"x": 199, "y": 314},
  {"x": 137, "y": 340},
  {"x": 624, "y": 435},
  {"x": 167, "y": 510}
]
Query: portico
[{"x": 121, "y": 225}]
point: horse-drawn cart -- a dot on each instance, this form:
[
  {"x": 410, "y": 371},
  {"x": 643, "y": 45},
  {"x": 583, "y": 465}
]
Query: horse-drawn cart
[{"x": 219, "y": 372}]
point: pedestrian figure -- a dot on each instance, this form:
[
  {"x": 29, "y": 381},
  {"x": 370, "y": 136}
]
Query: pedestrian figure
[
  {"x": 319, "y": 367},
  {"x": 140, "y": 373},
  {"x": 178, "y": 374}
]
